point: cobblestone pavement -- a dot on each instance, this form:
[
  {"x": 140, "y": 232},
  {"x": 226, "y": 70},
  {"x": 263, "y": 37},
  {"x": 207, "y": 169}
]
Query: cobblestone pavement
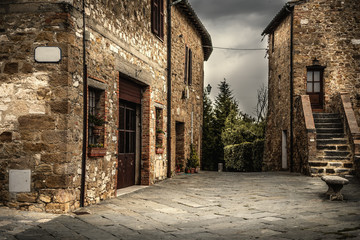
[{"x": 208, "y": 205}]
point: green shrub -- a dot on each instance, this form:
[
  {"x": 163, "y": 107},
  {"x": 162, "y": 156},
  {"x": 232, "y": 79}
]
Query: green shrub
[
  {"x": 258, "y": 154},
  {"x": 244, "y": 157},
  {"x": 238, "y": 157}
]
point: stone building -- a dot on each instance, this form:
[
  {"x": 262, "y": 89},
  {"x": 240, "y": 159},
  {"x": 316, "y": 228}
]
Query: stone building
[
  {"x": 75, "y": 124},
  {"x": 314, "y": 83}
]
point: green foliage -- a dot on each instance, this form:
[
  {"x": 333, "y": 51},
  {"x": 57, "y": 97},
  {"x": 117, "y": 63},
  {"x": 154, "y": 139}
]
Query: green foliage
[
  {"x": 224, "y": 105},
  {"x": 230, "y": 136},
  {"x": 246, "y": 156},
  {"x": 238, "y": 157},
  {"x": 258, "y": 154},
  {"x": 208, "y": 141},
  {"x": 97, "y": 120},
  {"x": 193, "y": 160}
]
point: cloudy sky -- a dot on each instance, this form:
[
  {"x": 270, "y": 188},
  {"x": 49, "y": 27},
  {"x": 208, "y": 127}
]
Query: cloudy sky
[{"x": 237, "y": 24}]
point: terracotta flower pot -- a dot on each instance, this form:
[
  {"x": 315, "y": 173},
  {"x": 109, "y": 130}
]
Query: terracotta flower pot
[
  {"x": 96, "y": 152},
  {"x": 160, "y": 136},
  {"x": 192, "y": 170},
  {"x": 97, "y": 130},
  {"x": 159, "y": 150}
]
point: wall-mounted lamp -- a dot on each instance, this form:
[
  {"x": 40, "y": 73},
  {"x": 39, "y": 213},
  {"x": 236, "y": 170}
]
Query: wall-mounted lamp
[
  {"x": 137, "y": 72},
  {"x": 208, "y": 89},
  {"x": 316, "y": 62},
  {"x": 176, "y": 2}
]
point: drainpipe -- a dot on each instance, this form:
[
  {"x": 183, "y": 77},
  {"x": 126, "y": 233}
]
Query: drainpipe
[
  {"x": 168, "y": 5},
  {"x": 83, "y": 163},
  {"x": 291, "y": 88}
]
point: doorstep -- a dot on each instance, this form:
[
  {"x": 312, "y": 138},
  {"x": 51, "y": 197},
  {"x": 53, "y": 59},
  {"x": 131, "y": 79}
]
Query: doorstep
[{"x": 127, "y": 190}]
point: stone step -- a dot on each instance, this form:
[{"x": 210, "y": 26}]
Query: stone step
[
  {"x": 320, "y": 142},
  {"x": 329, "y": 135},
  {"x": 321, "y": 171},
  {"x": 325, "y": 115},
  {"x": 336, "y": 153},
  {"x": 329, "y": 130},
  {"x": 332, "y": 158},
  {"x": 333, "y": 147},
  {"x": 328, "y": 125},
  {"x": 327, "y": 120},
  {"x": 348, "y": 164}
]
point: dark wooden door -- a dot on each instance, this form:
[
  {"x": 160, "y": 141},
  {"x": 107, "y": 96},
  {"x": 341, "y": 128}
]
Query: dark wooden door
[
  {"x": 314, "y": 88},
  {"x": 127, "y": 145}
]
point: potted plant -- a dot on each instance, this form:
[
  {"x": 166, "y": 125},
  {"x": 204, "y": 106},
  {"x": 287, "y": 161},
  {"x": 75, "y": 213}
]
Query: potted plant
[
  {"x": 193, "y": 161},
  {"x": 179, "y": 168},
  {"x": 97, "y": 122},
  {"x": 160, "y": 134},
  {"x": 96, "y": 150},
  {"x": 159, "y": 149}
]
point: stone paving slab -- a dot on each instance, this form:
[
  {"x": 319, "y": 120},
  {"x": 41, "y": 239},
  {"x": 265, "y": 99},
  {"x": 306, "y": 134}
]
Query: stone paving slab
[{"x": 208, "y": 205}]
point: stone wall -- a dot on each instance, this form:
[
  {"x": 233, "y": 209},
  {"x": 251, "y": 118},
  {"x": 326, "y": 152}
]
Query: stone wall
[
  {"x": 186, "y": 110},
  {"x": 35, "y": 110},
  {"x": 328, "y": 30},
  {"x": 41, "y": 105},
  {"x": 278, "y": 118}
]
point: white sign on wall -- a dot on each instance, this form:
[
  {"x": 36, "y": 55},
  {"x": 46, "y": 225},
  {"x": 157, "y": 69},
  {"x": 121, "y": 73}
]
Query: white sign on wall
[
  {"x": 47, "y": 54},
  {"x": 19, "y": 180}
]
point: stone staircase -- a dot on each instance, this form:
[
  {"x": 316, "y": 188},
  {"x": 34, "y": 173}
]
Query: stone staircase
[{"x": 333, "y": 149}]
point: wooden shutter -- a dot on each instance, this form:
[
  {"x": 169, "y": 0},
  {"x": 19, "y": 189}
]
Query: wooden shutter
[
  {"x": 129, "y": 91},
  {"x": 186, "y": 64},
  {"x": 190, "y": 68},
  {"x": 161, "y": 19},
  {"x": 154, "y": 16}
]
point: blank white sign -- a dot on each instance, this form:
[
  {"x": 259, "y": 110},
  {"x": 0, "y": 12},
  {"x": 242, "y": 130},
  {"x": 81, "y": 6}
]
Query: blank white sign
[
  {"x": 19, "y": 180},
  {"x": 48, "y": 54}
]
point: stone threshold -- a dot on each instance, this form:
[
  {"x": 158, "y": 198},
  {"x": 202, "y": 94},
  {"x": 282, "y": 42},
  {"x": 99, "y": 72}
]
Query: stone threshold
[{"x": 127, "y": 190}]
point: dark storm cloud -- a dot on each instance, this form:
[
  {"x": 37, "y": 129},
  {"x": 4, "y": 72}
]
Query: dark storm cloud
[
  {"x": 237, "y": 24},
  {"x": 217, "y": 9}
]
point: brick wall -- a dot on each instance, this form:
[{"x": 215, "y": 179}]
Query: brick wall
[{"x": 41, "y": 105}]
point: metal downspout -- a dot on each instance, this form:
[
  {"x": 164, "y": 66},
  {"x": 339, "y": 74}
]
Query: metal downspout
[
  {"x": 168, "y": 4},
  {"x": 291, "y": 90},
  {"x": 83, "y": 163}
]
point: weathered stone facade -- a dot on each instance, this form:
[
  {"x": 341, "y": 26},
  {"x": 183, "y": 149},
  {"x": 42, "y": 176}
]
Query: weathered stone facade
[
  {"x": 327, "y": 30},
  {"x": 41, "y": 104}
]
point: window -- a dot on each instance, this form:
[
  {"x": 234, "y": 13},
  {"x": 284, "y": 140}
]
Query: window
[
  {"x": 188, "y": 66},
  {"x": 313, "y": 81},
  {"x": 96, "y": 118},
  {"x": 160, "y": 134},
  {"x": 127, "y": 127},
  {"x": 157, "y": 18}
]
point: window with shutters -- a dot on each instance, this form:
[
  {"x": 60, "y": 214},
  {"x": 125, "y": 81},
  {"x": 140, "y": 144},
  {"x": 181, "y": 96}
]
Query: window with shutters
[
  {"x": 188, "y": 66},
  {"x": 157, "y": 18}
]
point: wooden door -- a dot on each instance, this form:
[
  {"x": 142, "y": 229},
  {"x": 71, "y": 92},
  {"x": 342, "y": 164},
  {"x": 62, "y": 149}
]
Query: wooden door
[
  {"x": 314, "y": 88},
  {"x": 127, "y": 145}
]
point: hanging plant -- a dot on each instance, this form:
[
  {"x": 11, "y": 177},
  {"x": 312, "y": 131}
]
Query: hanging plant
[{"x": 96, "y": 120}]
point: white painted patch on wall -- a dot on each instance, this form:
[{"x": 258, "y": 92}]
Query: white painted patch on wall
[
  {"x": 304, "y": 21},
  {"x": 4, "y": 38},
  {"x": 114, "y": 49},
  {"x": 37, "y": 109},
  {"x": 355, "y": 41},
  {"x": 19, "y": 180}
]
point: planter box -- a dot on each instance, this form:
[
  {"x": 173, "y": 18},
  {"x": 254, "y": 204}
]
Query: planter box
[{"x": 96, "y": 152}]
